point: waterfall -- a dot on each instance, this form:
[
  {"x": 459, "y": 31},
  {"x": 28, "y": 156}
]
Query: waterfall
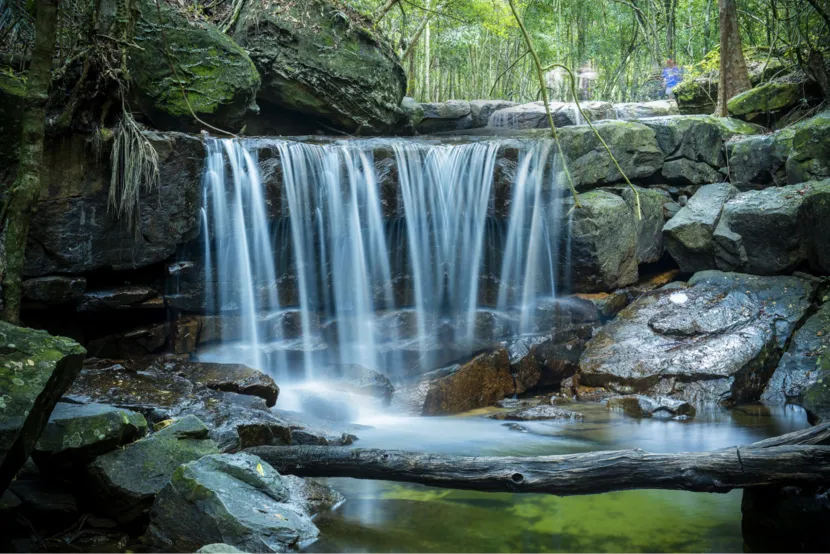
[{"x": 398, "y": 255}]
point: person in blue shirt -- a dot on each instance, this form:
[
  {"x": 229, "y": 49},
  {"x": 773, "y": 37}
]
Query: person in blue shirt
[{"x": 671, "y": 76}]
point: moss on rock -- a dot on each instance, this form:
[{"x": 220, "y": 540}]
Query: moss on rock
[
  {"x": 219, "y": 78},
  {"x": 324, "y": 60},
  {"x": 35, "y": 370},
  {"x": 809, "y": 158},
  {"x": 12, "y": 93}
]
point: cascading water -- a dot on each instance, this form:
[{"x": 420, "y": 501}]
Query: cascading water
[{"x": 398, "y": 255}]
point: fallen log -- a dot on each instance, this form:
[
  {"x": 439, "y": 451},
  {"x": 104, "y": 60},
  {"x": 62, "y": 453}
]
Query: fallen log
[{"x": 774, "y": 462}]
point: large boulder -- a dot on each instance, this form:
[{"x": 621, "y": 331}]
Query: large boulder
[
  {"x": 480, "y": 382},
  {"x": 808, "y": 159},
  {"x": 236, "y": 499},
  {"x": 766, "y": 103},
  {"x": 688, "y": 235},
  {"x": 716, "y": 339},
  {"x": 604, "y": 237},
  {"x": 453, "y": 115},
  {"x": 74, "y": 231},
  {"x": 35, "y": 370},
  {"x": 759, "y": 232},
  {"x": 813, "y": 218},
  {"x": 77, "y": 433},
  {"x": 758, "y": 161},
  {"x": 639, "y": 110},
  {"x": 171, "y": 56},
  {"x": 694, "y": 146},
  {"x": 801, "y": 376},
  {"x": 323, "y": 59},
  {"x": 126, "y": 481},
  {"x": 650, "y": 223},
  {"x": 634, "y": 146}
]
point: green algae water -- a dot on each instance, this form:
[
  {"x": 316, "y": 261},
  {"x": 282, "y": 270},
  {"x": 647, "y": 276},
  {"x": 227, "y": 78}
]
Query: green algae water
[{"x": 381, "y": 516}]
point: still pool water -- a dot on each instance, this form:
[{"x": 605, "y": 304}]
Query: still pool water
[{"x": 381, "y": 516}]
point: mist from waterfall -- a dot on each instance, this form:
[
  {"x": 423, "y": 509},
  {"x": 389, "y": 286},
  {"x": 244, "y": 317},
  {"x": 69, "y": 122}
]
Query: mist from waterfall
[{"x": 393, "y": 254}]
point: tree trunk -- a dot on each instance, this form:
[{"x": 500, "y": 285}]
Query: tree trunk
[
  {"x": 26, "y": 188},
  {"x": 734, "y": 77},
  {"x": 774, "y": 462}
]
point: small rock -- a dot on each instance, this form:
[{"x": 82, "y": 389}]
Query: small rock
[
  {"x": 640, "y": 406},
  {"x": 218, "y": 548},
  {"x": 539, "y": 413},
  {"x": 77, "y": 433}
]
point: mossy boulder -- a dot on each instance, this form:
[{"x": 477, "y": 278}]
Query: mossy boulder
[
  {"x": 35, "y": 370},
  {"x": 177, "y": 57},
  {"x": 765, "y": 102},
  {"x": 126, "y": 481},
  {"x": 604, "y": 235},
  {"x": 633, "y": 145},
  {"x": 809, "y": 157},
  {"x": 77, "y": 433},
  {"x": 323, "y": 59},
  {"x": 237, "y": 499},
  {"x": 12, "y": 94}
]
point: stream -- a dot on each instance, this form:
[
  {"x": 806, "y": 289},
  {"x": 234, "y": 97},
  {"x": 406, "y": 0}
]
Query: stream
[{"x": 382, "y": 516}]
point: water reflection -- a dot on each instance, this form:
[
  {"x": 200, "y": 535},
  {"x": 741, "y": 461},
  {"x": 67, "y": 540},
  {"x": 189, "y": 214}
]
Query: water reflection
[{"x": 381, "y": 516}]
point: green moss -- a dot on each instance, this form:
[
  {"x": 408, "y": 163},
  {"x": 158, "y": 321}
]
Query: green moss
[
  {"x": 766, "y": 98},
  {"x": 216, "y": 74}
]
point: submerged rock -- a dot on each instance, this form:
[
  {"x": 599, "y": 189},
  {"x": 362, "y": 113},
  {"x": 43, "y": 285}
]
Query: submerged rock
[
  {"x": 126, "y": 481},
  {"x": 480, "y": 382},
  {"x": 218, "y": 76},
  {"x": 324, "y": 59},
  {"x": 802, "y": 374},
  {"x": 237, "y": 499},
  {"x": 640, "y": 406},
  {"x": 539, "y": 413},
  {"x": 717, "y": 339},
  {"x": 689, "y": 234},
  {"x": 77, "y": 433},
  {"x": 35, "y": 370}
]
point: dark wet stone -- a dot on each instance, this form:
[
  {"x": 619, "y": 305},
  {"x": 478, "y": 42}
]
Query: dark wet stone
[
  {"x": 481, "y": 110},
  {"x": 803, "y": 375},
  {"x": 640, "y": 406},
  {"x": 126, "y": 481},
  {"x": 116, "y": 299},
  {"x": 141, "y": 341},
  {"x": 237, "y": 499},
  {"x": 718, "y": 339},
  {"x": 54, "y": 289},
  {"x": 77, "y": 433},
  {"x": 235, "y": 420},
  {"x": 480, "y": 382},
  {"x": 539, "y": 413},
  {"x": 35, "y": 370},
  {"x": 48, "y": 505}
]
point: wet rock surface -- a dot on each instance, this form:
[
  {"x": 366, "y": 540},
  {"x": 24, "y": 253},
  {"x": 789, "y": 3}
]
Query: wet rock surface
[
  {"x": 539, "y": 413},
  {"x": 35, "y": 370},
  {"x": 77, "y": 433},
  {"x": 235, "y": 420},
  {"x": 716, "y": 339},
  {"x": 54, "y": 289},
  {"x": 802, "y": 374},
  {"x": 237, "y": 499},
  {"x": 640, "y": 406},
  {"x": 480, "y": 382},
  {"x": 127, "y": 480}
]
